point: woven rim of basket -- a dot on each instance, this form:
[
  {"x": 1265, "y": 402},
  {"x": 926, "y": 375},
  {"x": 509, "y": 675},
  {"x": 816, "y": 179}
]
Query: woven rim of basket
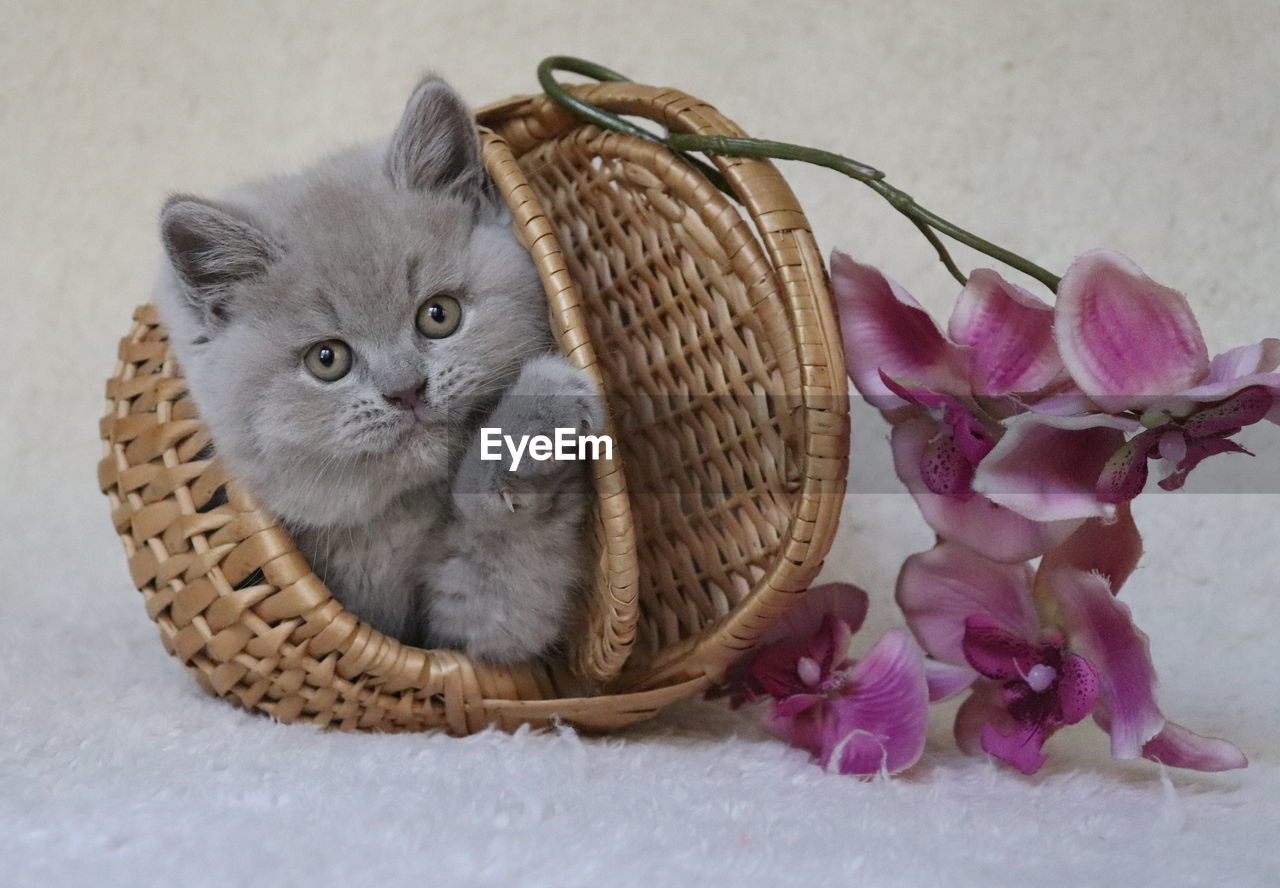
[
  {"x": 604, "y": 640},
  {"x": 256, "y": 644},
  {"x": 525, "y": 122}
]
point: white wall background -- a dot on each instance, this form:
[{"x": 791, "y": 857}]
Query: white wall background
[{"x": 1151, "y": 127}]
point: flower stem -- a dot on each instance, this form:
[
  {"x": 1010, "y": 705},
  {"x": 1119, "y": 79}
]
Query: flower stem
[{"x": 929, "y": 224}]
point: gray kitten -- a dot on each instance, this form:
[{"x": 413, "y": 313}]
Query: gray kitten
[{"x": 346, "y": 332}]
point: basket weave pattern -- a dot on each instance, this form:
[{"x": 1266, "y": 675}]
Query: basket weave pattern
[{"x": 711, "y": 335}]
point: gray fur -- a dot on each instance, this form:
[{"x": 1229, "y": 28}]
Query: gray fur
[{"x": 379, "y": 498}]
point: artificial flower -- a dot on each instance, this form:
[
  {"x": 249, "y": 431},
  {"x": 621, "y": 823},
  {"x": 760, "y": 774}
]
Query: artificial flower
[
  {"x": 946, "y": 395},
  {"x": 1140, "y": 367},
  {"x": 862, "y": 716},
  {"x": 1046, "y": 648}
]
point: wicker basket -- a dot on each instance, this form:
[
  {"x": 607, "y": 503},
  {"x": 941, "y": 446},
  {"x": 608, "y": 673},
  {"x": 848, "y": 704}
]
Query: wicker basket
[{"x": 712, "y": 335}]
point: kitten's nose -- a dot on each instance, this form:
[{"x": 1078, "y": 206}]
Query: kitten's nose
[{"x": 407, "y": 398}]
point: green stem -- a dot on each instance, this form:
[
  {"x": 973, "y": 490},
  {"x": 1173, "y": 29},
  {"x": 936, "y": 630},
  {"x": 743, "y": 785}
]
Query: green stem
[
  {"x": 602, "y": 118},
  {"x": 929, "y": 224}
]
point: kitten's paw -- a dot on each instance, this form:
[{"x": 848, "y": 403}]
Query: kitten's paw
[
  {"x": 550, "y": 394},
  {"x": 489, "y": 619},
  {"x": 532, "y": 453}
]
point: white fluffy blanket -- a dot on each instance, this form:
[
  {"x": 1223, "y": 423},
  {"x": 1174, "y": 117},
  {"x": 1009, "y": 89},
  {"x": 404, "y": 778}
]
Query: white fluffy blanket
[{"x": 1151, "y": 127}]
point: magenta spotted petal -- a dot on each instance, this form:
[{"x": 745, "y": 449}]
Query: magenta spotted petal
[
  {"x": 1233, "y": 371},
  {"x": 978, "y": 523},
  {"x": 1068, "y": 683},
  {"x": 1078, "y": 688},
  {"x": 1042, "y": 687},
  {"x": 778, "y": 669},
  {"x": 971, "y": 439},
  {"x": 1125, "y": 472},
  {"x": 999, "y": 654},
  {"x": 1244, "y": 408}
]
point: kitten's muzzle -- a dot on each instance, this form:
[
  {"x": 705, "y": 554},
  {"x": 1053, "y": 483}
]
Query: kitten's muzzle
[{"x": 410, "y": 399}]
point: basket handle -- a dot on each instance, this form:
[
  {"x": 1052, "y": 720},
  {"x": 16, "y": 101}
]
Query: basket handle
[{"x": 928, "y": 223}]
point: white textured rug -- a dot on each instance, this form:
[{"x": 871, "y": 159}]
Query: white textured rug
[{"x": 1152, "y": 128}]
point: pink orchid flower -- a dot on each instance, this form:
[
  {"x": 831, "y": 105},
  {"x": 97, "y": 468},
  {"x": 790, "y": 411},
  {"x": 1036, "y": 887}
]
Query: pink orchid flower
[
  {"x": 1040, "y": 668},
  {"x": 946, "y": 395},
  {"x": 860, "y": 717},
  {"x": 1135, "y": 352}
]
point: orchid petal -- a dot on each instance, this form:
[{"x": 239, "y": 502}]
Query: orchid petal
[
  {"x": 789, "y": 638},
  {"x": 775, "y": 667},
  {"x": 815, "y": 630},
  {"x": 1190, "y": 400},
  {"x": 945, "y": 680},
  {"x": 1126, "y": 340},
  {"x": 1046, "y": 468},
  {"x": 1078, "y": 688},
  {"x": 1198, "y": 450},
  {"x": 1021, "y": 747},
  {"x": 1112, "y": 549},
  {"x": 1125, "y": 473},
  {"x": 1178, "y": 747},
  {"x": 1068, "y": 403},
  {"x": 945, "y": 470},
  {"x": 1011, "y": 333},
  {"x": 881, "y": 723},
  {"x": 1246, "y": 360},
  {"x": 1173, "y": 445},
  {"x": 976, "y": 522},
  {"x": 1100, "y": 628},
  {"x": 970, "y": 436},
  {"x": 939, "y": 589},
  {"x": 885, "y": 330},
  {"x": 985, "y": 706},
  {"x": 804, "y": 618},
  {"x": 1244, "y": 408},
  {"x": 996, "y": 653},
  {"x": 920, "y": 396},
  {"x": 792, "y": 706},
  {"x": 804, "y": 728},
  {"x": 772, "y": 671}
]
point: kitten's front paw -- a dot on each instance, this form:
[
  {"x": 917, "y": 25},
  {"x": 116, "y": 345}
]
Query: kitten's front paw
[
  {"x": 532, "y": 453},
  {"x": 491, "y": 618}
]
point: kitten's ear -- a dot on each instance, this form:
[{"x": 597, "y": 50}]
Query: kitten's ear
[
  {"x": 436, "y": 147},
  {"x": 212, "y": 247}
]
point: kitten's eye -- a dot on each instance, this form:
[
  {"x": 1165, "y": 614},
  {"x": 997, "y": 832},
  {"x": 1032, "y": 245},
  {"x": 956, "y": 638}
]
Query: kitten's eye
[
  {"x": 328, "y": 361},
  {"x": 439, "y": 316}
]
